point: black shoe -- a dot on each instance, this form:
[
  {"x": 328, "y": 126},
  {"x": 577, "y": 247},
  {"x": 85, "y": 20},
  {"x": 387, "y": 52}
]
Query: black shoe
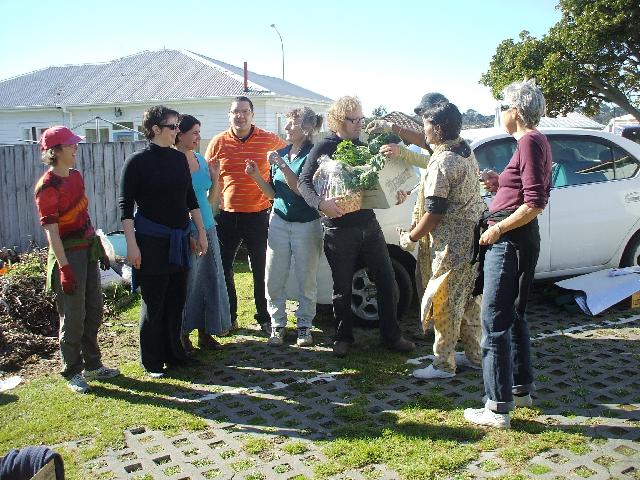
[
  {"x": 266, "y": 327},
  {"x": 341, "y": 348},
  {"x": 402, "y": 345}
]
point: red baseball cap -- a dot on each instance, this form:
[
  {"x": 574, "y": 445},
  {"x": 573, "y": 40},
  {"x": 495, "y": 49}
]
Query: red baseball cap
[{"x": 58, "y": 135}]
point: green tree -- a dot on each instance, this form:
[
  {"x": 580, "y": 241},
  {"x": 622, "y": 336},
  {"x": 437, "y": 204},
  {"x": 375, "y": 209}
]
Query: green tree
[
  {"x": 591, "y": 56},
  {"x": 379, "y": 112}
]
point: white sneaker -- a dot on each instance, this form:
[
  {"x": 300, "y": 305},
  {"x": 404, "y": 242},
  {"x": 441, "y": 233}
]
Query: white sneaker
[
  {"x": 102, "y": 372},
  {"x": 277, "y": 336},
  {"x": 431, "y": 372},
  {"x": 463, "y": 361},
  {"x": 156, "y": 374},
  {"x": 485, "y": 417},
  {"x": 78, "y": 384},
  {"x": 304, "y": 337},
  {"x": 523, "y": 401}
]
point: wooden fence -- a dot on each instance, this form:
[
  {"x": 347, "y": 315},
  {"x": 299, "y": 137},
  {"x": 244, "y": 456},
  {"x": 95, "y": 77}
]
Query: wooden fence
[{"x": 20, "y": 168}]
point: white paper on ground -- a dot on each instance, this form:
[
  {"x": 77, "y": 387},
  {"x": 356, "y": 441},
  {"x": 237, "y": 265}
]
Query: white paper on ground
[
  {"x": 108, "y": 277},
  {"x": 9, "y": 383},
  {"x": 598, "y": 291}
]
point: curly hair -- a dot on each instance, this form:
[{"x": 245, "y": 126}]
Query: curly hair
[
  {"x": 339, "y": 109},
  {"x": 49, "y": 156}
]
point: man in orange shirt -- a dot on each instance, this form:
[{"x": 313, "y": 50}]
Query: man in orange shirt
[{"x": 244, "y": 210}]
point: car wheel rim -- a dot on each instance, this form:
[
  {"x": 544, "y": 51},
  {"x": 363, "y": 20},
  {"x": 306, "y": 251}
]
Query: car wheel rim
[{"x": 364, "y": 302}]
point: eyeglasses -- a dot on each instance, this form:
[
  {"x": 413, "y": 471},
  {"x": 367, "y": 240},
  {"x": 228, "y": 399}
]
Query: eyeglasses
[
  {"x": 171, "y": 126},
  {"x": 240, "y": 112},
  {"x": 504, "y": 107},
  {"x": 355, "y": 120}
]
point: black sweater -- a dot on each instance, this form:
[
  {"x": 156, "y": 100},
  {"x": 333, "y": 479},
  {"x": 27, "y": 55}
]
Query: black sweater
[
  {"x": 158, "y": 180},
  {"x": 327, "y": 146}
]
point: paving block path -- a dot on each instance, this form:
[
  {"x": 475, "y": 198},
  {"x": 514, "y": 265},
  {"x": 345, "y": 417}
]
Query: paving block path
[{"x": 283, "y": 400}]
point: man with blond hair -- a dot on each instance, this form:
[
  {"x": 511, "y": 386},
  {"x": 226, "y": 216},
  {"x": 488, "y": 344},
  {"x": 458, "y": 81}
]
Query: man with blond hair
[{"x": 351, "y": 237}]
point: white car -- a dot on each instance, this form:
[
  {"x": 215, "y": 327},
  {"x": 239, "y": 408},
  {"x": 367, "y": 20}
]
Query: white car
[{"x": 592, "y": 220}]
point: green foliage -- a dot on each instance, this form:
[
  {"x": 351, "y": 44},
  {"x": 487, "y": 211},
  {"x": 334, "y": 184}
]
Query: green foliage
[
  {"x": 376, "y": 141},
  {"x": 379, "y": 112},
  {"x": 361, "y": 166},
  {"x": 589, "y": 57}
]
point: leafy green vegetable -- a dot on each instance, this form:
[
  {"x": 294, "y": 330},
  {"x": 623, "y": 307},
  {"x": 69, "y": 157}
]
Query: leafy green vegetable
[
  {"x": 376, "y": 141},
  {"x": 360, "y": 164}
]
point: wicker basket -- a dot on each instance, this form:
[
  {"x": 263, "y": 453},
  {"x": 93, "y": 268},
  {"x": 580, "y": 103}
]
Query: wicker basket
[{"x": 350, "y": 202}]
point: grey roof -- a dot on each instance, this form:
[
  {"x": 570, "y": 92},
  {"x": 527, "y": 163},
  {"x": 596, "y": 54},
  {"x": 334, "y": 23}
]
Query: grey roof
[
  {"x": 147, "y": 76},
  {"x": 572, "y": 120}
]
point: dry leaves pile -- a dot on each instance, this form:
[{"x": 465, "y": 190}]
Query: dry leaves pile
[{"x": 28, "y": 317}]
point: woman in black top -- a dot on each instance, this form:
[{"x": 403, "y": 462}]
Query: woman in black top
[
  {"x": 352, "y": 237},
  {"x": 158, "y": 181}
]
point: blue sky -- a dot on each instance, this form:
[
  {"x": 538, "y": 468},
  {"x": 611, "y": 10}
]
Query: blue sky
[{"x": 387, "y": 55}]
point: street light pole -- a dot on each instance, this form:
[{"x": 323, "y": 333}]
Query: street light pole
[{"x": 273, "y": 25}]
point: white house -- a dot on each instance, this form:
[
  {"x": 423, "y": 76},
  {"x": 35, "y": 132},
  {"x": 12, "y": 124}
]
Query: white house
[{"x": 120, "y": 90}]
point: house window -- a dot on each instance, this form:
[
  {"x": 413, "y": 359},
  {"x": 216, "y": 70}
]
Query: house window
[
  {"x": 32, "y": 133},
  {"x": 124, "y": 136},
  {"x": 90, "y": 135}
]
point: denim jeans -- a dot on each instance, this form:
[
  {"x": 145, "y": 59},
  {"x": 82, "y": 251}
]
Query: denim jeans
[
  {"x": 233, "y": 228},
  {"x": 302, "y": 242},
  {"x": 344, "y": 248},
  {"x": 509, "y": 267}
]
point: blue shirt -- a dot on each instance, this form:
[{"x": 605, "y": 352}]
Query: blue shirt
[
  {"x": 201, "y": 181},
  {"x": 287, "y": 204}
]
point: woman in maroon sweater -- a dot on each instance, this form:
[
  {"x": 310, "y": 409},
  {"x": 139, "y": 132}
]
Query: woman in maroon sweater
[{"x": 512, "y": 246}]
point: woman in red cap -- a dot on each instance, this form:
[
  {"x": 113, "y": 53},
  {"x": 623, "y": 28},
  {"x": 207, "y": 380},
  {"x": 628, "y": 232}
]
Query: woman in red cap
[{"x": 74, "y": 253}]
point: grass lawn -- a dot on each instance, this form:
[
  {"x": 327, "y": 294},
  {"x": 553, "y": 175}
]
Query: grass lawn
[{"x": 426, "y": 438}]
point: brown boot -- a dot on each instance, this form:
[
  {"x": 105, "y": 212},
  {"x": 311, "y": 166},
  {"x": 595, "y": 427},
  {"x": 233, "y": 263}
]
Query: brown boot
[
  {"x": 402, "y": 345},
  {"x": 341, "y": 348},
  {"x": 187, "y": 345},
  {"x": 207, "y": 341}
]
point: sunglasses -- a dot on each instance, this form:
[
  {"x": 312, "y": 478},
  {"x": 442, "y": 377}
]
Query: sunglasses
[
  {"x": 505, "y": 107},
  {"x": 355, "y": 120},
  {"x": 172, "y": 126}
]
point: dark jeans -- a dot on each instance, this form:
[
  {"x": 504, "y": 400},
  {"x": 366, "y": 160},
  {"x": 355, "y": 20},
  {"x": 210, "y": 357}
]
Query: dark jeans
[
  {"x": 509, "y": 267},
  {"x": 233, "y": 228},
  {"x": 163, "y": 298},
  {"x": 344, "y": 247}
]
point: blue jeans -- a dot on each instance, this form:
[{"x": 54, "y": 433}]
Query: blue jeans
[{"x": 509, "y": 267}]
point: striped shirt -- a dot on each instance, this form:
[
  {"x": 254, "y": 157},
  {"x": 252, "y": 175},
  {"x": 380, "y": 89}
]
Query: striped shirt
[{"x": 239, "y": 193}]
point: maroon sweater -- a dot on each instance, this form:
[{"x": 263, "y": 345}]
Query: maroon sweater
[{"x": 527, "y": 176}]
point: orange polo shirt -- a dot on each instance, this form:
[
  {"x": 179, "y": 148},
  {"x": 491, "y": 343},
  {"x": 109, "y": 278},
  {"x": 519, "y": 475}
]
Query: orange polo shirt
[{"x": 239, "y": 193}]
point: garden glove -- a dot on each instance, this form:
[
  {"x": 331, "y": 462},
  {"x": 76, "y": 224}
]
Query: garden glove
[
  {"x": 406, "y": 243},
  {"x": 67, "y": 279},
  {"x": 378, "y": 126}
]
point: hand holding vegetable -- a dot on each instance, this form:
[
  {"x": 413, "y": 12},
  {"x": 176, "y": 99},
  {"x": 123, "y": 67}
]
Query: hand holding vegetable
[
  {"x": 405, "y": 240},
  {"x": 330, "y": 208},
  {"x": 390, "y": 150},
  {"x": 378, "y": 126}
]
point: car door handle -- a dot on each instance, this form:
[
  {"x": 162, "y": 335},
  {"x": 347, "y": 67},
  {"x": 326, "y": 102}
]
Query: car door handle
[{"x": 632, "y": 197}]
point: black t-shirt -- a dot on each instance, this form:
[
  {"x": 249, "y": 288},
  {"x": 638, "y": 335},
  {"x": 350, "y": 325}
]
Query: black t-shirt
[{"x": 327, "y": 146}]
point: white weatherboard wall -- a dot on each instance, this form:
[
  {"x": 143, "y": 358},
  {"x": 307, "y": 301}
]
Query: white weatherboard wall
[{"x": 212, "y": 113}]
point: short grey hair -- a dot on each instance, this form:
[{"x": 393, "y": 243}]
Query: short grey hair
[{"x": 528, "y": 100}]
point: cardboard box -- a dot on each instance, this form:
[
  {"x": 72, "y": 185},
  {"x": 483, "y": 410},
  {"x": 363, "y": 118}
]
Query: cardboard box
[{"x": 633, "y": 301}]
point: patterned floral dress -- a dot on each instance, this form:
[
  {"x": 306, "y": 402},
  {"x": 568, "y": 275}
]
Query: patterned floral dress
[{"x": 448, "y": 250}]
